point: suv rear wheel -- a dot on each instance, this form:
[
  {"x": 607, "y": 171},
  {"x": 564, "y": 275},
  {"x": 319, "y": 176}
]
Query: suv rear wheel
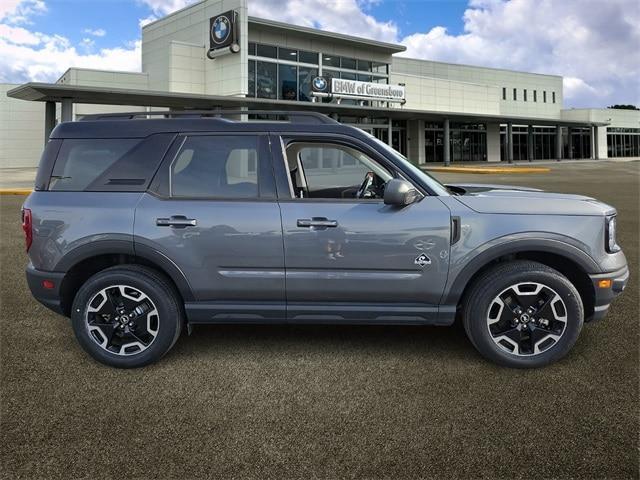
[
  {"x": 523, "y": 314},
  {"x": 127, "y": 316}
]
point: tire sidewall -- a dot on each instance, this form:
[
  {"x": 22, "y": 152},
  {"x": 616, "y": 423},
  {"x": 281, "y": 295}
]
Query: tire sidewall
[
  {"x": 479, "y": 331},
  {"x": 168, "y": 318}
]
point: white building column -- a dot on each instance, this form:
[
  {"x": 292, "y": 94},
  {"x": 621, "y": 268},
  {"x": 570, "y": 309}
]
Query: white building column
[
  {"x": 49, "y": 119},
  {"x": 601, "y": 142},
  {"x": 66, "y": 110},
  {"x": 446, "y": 148},
  {"x": 558, "y": 142},
  {"x": 416, "y": 142},
  {"x": 493, "y": 142},
  {"x": 510, "y": 142}
]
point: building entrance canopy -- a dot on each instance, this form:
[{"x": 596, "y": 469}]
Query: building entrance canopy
[{"x": 67, "y": 94}]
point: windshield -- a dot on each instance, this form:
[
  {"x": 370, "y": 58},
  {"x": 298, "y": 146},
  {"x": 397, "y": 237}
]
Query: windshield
[{"x": 434, "y": 184}]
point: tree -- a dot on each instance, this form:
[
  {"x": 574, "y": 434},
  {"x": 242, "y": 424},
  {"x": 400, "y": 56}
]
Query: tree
[{"x": 624, "y": 107}]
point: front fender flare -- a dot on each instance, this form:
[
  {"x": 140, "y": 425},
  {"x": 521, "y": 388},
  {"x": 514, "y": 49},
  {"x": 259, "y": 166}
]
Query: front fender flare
[{"x": 557, "y": 245}]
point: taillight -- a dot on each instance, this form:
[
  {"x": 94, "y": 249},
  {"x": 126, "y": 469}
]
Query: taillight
[{"x": 27, "y": 227}]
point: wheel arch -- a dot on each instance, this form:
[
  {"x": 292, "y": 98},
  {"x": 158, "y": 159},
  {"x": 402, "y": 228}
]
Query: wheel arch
[
  {"x": 82, "y": 263},
  {"x": 565, "y": 258}
]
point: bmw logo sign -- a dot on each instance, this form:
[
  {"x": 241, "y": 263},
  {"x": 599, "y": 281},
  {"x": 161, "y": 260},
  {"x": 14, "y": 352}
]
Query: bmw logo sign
[
  {"x": 319, "y": 84},
  {"x": 220, "y": 30}
]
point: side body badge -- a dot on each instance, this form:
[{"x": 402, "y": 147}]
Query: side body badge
[{"x": 422, "y": 260}]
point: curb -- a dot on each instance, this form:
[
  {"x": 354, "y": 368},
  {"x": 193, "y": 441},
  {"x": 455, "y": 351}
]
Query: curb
[
  {"x": 487, "y": 170},
  {"x": 15, "y": 191}
]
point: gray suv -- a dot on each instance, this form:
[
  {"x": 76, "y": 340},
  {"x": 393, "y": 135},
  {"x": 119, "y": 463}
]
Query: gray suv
[{"x": 141, "y": 226}]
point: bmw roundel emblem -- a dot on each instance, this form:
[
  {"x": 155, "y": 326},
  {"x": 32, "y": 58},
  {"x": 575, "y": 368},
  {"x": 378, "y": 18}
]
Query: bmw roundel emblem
[
  {"x": 220, "y": 29},
  {"x": 319, "y": 84}
]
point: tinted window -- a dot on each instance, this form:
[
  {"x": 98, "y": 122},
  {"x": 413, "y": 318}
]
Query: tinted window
[
  {"x": 266, "y": 79},
  {"x": 349, "y": 63},
  {"x": 251, "y": 92},
  {"x": 288, "y": 82},
  {"x": 305, "y": 76},
  {"x": 80, "y": 162},
  {"x": 331, "y": 61},
  {"x": 266, "y": 51},
  {"x": 216, "y": 166},
  {"x": 287, "y": 54},
  {"x": 308, "y": 57}
]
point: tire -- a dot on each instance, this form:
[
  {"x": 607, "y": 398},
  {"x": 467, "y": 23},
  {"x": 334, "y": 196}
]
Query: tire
[
  {"x": 502, "y": 320},
  {"x": 101, "y": 320}
]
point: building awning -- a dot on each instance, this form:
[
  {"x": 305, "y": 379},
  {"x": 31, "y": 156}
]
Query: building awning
[{"x": 48, "y": 92}]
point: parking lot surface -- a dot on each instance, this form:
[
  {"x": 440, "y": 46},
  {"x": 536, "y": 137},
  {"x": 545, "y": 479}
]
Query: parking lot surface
[{"x": 323, "y": 401}]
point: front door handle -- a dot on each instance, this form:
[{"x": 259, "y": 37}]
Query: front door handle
[
  {"x": 317, "y": 222},
  {"x": 176, "y": 221}
]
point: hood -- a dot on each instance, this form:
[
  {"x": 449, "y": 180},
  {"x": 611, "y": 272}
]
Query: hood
[{"x": 524, "y": 200}]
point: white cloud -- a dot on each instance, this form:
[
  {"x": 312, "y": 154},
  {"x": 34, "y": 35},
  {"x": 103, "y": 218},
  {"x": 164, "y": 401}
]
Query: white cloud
[
  {"x": 47, "y": 61},
  {"x": 343, "y": 16},
  {"x": 18, "y": 11},
  {"x": 147, "y": 20},
  {"x": 19, "y": 35},
  {"x": 593, "y": 44},
  {"x": 98, "y": 32},
  {"x": 34, "y": 56},
  {"x": 164, "y": 7}
]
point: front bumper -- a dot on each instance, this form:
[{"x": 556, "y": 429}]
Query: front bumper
[
  {"x": 49, "y": 297},
  {"x": 604, "y": 296}
]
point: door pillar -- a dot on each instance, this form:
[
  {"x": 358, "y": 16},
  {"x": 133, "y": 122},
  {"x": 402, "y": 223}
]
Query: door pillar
[{"x": 530, "y": 142}]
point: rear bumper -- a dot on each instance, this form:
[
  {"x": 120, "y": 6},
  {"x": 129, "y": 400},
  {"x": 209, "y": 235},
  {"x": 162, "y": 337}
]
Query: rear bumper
[
  {"x": 49, "y": 297},
  {"x": 604, "y": 296}
]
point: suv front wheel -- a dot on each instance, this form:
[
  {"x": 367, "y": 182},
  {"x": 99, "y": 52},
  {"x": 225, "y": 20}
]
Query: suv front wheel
[
  {"x": 523, "y": 314},
  {"x": 127, "y": 316}
]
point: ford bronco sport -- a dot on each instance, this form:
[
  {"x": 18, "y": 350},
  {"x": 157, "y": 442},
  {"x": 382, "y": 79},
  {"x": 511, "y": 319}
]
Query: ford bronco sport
[{"x": 139, "y": 227}]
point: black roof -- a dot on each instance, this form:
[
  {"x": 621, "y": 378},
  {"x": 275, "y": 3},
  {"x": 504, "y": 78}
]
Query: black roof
[{"x": 130, "y": 125}]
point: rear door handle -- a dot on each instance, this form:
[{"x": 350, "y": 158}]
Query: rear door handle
[
  {"x": 176, "y": 221},
  {"x": 317, "y": 222}
]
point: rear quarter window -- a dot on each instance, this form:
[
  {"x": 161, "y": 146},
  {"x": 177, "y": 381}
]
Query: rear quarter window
[{"x": 114, "y": 164}]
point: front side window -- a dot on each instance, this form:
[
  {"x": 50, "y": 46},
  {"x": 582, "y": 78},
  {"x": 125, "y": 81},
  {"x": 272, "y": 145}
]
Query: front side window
[
  {"x": 216, "y": 167},
  {"x": 322, "y": 170}
]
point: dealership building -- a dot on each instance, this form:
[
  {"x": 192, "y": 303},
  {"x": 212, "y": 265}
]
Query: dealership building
[{"x": 213, "y": 55}]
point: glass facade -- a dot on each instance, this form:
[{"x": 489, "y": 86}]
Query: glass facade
[
  {"x": 286, "y": 74},
  {"x": 576, "y": 143},
  {"x": 467, "y": 142},
  {"x": 623, "y": 142},
  {"x": 543, "y": 138},
  {"x": 580, "y": 144}
]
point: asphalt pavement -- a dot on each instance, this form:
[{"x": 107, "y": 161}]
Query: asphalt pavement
[{"x": 323, "y": 401}]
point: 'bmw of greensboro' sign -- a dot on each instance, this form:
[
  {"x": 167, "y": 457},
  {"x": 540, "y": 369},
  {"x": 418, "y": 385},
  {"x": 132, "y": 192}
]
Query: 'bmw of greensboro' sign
[
  {"x": 366, "y": 89},
  {"x": 222, "y": 30}
]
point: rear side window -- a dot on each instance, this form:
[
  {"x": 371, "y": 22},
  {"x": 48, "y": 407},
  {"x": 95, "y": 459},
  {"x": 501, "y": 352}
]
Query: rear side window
[
  {"x": 216, "y": 167},
  {"x": 108, "y": 165},
  {"x": 80, "y": 162}
]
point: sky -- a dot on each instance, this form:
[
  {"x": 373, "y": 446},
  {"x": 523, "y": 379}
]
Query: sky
[{"x": 593, "y": 44}]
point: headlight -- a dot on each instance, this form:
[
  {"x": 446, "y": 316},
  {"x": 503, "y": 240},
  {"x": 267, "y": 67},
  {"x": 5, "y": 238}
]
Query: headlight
[{"x": 610, "y": 235}]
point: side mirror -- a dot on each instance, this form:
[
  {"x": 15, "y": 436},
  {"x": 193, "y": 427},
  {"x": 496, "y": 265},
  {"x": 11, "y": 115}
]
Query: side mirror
[{"x": 400, "y": 193}]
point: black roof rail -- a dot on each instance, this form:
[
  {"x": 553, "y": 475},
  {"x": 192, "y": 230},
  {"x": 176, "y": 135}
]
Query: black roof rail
[{"x": 292, "y": 116}]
